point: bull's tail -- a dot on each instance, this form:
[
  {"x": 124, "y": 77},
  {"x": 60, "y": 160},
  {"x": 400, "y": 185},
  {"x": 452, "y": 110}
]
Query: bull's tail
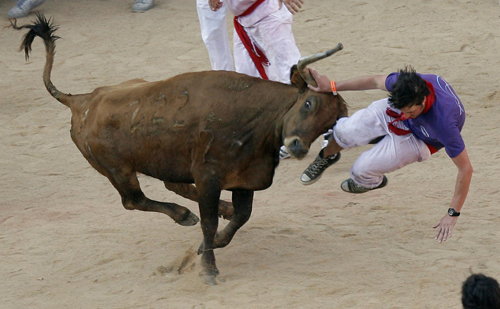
[{"x": 44, "y": 28}]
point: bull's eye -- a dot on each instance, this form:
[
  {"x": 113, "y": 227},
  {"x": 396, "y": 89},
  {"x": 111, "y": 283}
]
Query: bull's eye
[{"x": 308, "y": 105}]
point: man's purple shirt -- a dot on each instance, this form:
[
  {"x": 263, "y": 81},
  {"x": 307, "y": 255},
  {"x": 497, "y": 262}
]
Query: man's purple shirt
[{"x": 441, "y": 125}]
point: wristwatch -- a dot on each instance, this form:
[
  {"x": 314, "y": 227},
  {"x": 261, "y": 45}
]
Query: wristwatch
[{"x": 453, "y": 213}]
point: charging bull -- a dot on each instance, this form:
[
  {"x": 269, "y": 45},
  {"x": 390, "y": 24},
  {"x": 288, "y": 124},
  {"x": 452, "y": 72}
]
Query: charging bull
[{"x": 217, "y": 130}]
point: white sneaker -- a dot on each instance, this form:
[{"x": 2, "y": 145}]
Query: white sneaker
[
  {"x": 24, "y": 7},
  {"x": 142, "y": 5},
  {"x": 283, "y": 153}
]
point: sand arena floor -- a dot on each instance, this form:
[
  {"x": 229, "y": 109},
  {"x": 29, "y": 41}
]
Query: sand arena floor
[{"x": 67, "y": 242}]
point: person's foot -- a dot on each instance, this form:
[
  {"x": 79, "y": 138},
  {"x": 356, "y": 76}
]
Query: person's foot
[
  {"x": 350, "y": 186},
  {"x": 24, "y": 7},
  {"x": 314, "y": 170},
  {"x": 142, "y": 5},
  {"x": 283, "y": 153}
]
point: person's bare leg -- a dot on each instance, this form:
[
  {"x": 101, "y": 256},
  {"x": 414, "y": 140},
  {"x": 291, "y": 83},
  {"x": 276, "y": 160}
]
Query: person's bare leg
[{"x": 331, "y": 149}]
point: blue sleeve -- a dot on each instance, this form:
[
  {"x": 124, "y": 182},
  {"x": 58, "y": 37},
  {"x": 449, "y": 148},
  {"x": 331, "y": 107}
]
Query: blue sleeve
[
  {"x": 391, "y": 80},
  {"x": 452, "y": 141}
]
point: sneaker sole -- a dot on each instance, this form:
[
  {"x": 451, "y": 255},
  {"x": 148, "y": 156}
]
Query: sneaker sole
[
  {"x": 383, "y": 184},
  {"x": 141, "y": 10},
  {"x": 311, "y": 181}
]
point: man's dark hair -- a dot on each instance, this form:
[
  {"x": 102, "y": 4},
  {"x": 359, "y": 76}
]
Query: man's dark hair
[
  {"x": 410, "y": 89},
  {"x": 480, "y": 292}
]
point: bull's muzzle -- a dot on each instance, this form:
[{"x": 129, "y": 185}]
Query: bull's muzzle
[{"x": 296, "y": 147}]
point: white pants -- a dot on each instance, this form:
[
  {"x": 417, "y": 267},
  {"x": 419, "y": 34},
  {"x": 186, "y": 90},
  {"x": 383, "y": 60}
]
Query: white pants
[
  {"x": 215, "y": 36},
  {"x": 273, "y": 35},
  {"x": 391, "y": 153}
]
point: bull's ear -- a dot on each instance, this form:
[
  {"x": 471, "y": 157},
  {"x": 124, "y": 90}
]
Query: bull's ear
[{"x": 297, "y": 79}]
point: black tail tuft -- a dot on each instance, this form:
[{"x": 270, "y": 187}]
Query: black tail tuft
[
  {"x": 45, "y": 29},
  {"x": 42, "y": 27}
]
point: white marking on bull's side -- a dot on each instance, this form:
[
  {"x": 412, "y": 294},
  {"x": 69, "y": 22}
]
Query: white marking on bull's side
[
  {"x": 85, "y": 115},
  {"x": 133, "y": 115},
  {"x": 88, "y": 149},
  {"x": 133, "y": 127}
]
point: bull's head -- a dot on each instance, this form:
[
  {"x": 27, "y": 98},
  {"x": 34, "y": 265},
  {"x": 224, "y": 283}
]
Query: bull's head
[{"x": 313, "y": 113}]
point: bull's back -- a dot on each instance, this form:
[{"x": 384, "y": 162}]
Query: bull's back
[{"x": 168, "y": 128}]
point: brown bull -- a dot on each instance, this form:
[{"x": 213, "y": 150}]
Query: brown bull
[{"x": 219, "y": 130}]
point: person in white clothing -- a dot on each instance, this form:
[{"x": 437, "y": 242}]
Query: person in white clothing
[
  {"x": 268, "y": 25},
  {"x": 215, "y": 36},
  {"x": 23, "y": 8}
]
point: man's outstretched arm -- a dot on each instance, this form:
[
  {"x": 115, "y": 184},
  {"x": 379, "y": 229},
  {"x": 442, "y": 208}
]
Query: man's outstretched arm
[
  {"x": 366, "y": 82},
  {"x": 464, "y": 176}
]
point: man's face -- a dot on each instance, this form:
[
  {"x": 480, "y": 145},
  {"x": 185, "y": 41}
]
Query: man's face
[{"x": 413, "y": 111}]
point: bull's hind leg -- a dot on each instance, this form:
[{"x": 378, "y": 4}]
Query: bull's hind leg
[
  {"x": 242, "y": 202},
  {"x": 128, "y": 186},
  {"x": 191, "y": 193}
]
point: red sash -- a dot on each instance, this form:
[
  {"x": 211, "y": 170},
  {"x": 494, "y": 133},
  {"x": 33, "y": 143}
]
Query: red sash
[
  {"x": 258, "y": 57},
  {"x": 429, "y": 101}
]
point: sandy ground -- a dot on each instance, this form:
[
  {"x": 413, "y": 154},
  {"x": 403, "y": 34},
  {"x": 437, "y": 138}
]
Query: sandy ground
[{"x": 67, "y": 242}]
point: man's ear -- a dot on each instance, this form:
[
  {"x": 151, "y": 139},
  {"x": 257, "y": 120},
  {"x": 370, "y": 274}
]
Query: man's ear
[{"x": 297, "y": 79}]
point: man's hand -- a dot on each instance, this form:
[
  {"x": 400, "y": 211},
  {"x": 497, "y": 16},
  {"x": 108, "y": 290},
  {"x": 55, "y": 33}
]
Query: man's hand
[
  {"x": 215, "y": 4},
  {"x": 322, "y": 81},
  {"x": 445, "y": 227},
  {"x": 292, "y": 5}
]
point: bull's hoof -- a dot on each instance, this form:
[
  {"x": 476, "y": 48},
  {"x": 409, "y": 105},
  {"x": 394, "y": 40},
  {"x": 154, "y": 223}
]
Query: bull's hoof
[
  {"x": 209, "y": 279},
  {"x": 192, "y": 219},
  {"x": 209, "y": 275}
]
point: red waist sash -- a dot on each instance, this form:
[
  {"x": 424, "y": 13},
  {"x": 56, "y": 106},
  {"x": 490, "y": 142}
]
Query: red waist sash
[{"x": 258, "y": 57}]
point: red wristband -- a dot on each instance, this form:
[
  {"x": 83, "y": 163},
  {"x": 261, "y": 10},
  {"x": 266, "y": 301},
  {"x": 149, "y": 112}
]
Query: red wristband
[{"x": 334, "y": 87}]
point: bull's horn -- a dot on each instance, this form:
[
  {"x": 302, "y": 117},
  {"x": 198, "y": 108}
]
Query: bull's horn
[{"x": 303, "y": 62}]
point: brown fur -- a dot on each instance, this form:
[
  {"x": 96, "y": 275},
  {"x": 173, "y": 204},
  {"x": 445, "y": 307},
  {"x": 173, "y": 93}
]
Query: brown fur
[{"x": 217, "y": 130}]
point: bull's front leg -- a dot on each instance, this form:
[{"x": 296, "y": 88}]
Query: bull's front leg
[
  {"x": 208, "y": 202},
  {"x": 242, "y": 203}
]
